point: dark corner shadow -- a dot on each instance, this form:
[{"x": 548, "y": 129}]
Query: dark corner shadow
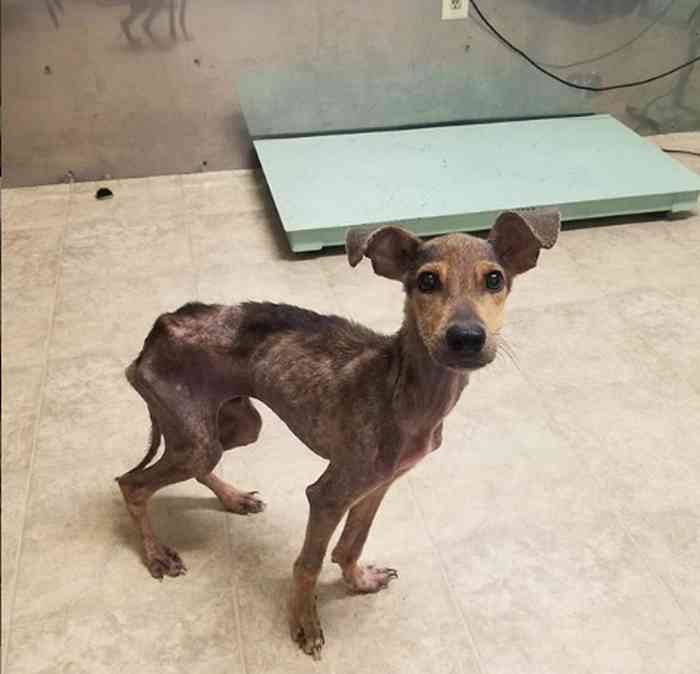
[{"x": 611, "y": 221}]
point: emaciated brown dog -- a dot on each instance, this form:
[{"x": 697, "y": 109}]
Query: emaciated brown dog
[{"x": 372, "y": 405}]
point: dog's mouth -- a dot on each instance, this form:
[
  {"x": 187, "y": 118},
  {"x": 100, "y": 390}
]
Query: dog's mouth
[{"x": 464, "y": 362}]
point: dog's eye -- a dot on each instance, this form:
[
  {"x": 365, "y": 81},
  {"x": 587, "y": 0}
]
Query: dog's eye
[
  {"x": 494, "y": 281},
  {"x": 428, "y": 281}
]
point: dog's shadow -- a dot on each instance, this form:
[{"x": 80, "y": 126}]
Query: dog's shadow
[
  {"x": 173, "y": 520},
  {"x": 177, "y": 524}
]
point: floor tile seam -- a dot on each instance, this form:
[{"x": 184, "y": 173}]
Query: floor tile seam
[
  {"x": 194, "y": 259},
  {"x": 618, "y": 515},
  {"x": 519, "y": 312},
  {"x": 584, "y": 271},
  {"x": 554, "y": 427},
  {"x": 649, "y": 565},
  {"x": 72, "y": 278},
  {"x": 660, "y": 579},
  {"x": 447, "y": 584},
  {"x": 80, "y": 277},
  {"x": 629, "y": 324},
  {"x": 680, "y": 373},
  {"x": 6, "y": 229},
  {"x": 17, "y": 285},
  {"x": 234, "y": 600},
  {"x": 35, "y": 434},
  {"x": 655, "y": 575},
  {"x": 669, "y": 367}
]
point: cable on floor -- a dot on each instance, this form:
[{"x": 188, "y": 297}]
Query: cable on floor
[{"x": 584, "y": 87}]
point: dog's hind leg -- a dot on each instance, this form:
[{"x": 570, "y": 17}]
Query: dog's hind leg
[
  {"x": 239, "y": 424},
  {"x": 187, "y": 454},
  {"x": 232, "y": 499}
]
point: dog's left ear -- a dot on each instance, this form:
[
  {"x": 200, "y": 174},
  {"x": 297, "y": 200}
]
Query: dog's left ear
[
  {"x": 391, "y": 249},
  {"x": 518, "y": 236}
]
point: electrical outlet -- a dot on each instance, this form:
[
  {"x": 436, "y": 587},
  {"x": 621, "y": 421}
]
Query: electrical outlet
[{"x": 455, "y": 9}]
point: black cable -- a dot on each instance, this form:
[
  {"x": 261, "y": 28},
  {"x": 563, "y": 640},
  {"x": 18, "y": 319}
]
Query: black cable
[
  {"x": 584, "y": 87},
  {"x": 679, "y": 151},
  {"x": 619, "y": 48}
]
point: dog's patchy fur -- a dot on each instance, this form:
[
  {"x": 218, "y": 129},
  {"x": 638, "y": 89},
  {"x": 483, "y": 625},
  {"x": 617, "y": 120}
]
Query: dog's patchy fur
[{"x": 372, "y": 405}]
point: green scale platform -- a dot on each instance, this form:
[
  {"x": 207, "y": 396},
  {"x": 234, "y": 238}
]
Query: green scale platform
[{"x": 457, "y": 178}]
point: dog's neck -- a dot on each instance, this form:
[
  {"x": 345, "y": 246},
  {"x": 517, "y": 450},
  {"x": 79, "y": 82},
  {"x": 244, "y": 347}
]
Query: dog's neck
[{"x": 424, "y": 389}]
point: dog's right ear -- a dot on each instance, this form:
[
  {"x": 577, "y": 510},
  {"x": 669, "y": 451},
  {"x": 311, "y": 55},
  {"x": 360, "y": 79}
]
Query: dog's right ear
[
  {"x": 391, "y": 249},
  {"x": 518, "y": 236}
]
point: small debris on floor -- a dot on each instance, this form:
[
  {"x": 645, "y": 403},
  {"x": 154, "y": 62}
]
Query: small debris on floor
[{"x": 103, "y": 193}]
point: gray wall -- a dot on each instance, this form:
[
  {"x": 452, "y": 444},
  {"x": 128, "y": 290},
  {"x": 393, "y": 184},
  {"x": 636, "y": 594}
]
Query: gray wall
[{"x": 129, "y": 106}]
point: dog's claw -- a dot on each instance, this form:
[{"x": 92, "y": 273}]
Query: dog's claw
[
  {"x": 368, "y": 579},
  {"x": 312, "y": 647},
  {"x": 252, "y": 503},
  {"x": 243, "y": 503}
]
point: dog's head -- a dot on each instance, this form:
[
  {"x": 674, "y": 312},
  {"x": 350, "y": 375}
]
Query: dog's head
[{"x": 457, "y": 285}]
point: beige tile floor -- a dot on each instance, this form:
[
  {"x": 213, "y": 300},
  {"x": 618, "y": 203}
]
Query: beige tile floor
[{"x": 557, "y": 529}]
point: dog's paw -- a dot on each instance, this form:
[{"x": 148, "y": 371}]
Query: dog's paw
[
  {"x": 369, "y": 578},
  {"x": 243, "y": 503},
  {"x": 306, "y": 631},
  {"x": 164, "y": 561},
  {"x": 311, "y": 644}
]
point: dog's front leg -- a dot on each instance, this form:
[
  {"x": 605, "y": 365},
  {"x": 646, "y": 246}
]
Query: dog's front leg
[
  {"x": 358, "y": 577},
  {"x": 328, "y": 502}
]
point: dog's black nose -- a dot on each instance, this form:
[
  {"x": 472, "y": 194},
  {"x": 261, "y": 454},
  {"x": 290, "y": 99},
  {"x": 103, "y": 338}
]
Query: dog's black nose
[{"x": 468, "y": 338}]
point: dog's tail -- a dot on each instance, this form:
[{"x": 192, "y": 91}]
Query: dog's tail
[
  {"x": 152, "y": 447},
  {"x": 150, "y": 453}
]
